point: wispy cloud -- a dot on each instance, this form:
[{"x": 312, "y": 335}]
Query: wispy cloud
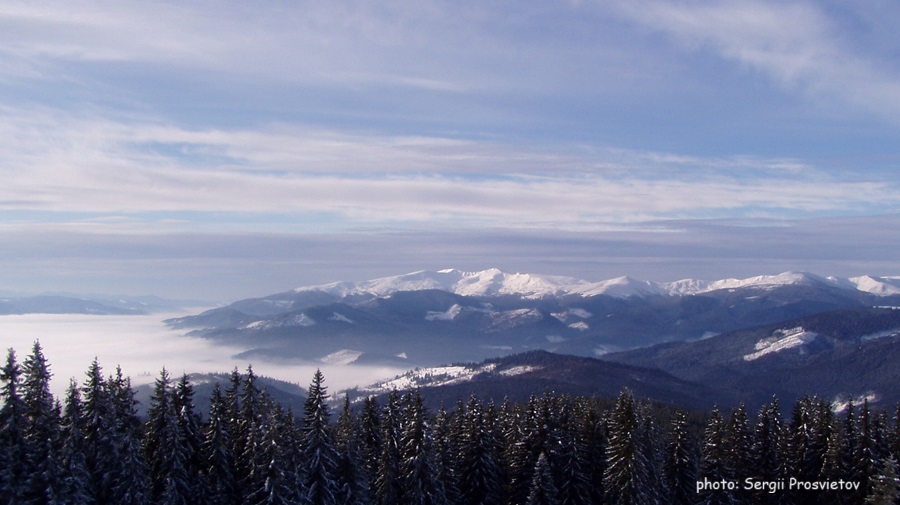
[
  {"x": 69, "y": 163},
  {"x": 801, "y": 45}
]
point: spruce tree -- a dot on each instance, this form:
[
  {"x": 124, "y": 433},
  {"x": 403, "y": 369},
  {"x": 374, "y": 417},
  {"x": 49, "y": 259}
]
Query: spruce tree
[
  {"x": 591, "y": 432},
  {"x": 421, "y": 485},
  {"x": 100, "y": 432},
  {"x": 218, "y": 458},
  {"x": 543, "y": 490},
  {"x": 192, "y": 436},
  {"x": 75, "y": 477},
  {"x": 388, "y": 483},
  {"x": 166, "y": 448},
  {"x": 680, "y": 467},
  {"x": 884, "y": 488},
  {"x": 232, "y": 414},
  {"x": 571, "y": 462},
  {"x": 317, "y": 452},
  {"x": 41, "y": 430},
  {"x": 278, "y": 488},
  {"x": 480, "y": 477},
  {"x": 132, "y": 487},
  {"x": 370, "y": 442},
  {"x": 529, "y": 441},
  {"x": 766, "y": 442},
  {"x": 13, "y": 444},
  {"x": 868, "y": 460},
  {"x": 629, "y": 477},
  {"x": 835, "y": 465},
  {"x": 714, "y": 461},
  {"x": 251, "y": 438},
  {"x": 738, "y": 452},
  {"x": 353, "y": 483},
  {"x": 445, "y": 454}
]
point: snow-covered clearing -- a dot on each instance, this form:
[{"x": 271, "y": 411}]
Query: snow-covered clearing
[{"x": 781, "y": 340}]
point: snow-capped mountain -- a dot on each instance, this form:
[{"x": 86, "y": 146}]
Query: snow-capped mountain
[
  {"x": 432, "y": 317},
  {"x": 491, "y": 282},
  {"x": 494, "y": 282}
]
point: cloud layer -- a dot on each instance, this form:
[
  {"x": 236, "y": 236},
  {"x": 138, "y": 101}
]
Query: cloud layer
[{"x": 311, "y": 122}]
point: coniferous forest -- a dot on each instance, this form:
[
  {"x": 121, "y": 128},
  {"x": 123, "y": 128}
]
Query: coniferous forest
[{"x": 93, "y": 448}]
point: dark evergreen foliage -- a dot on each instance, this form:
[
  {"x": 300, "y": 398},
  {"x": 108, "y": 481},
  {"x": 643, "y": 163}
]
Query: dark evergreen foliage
[
  {"x": 388, "y": 481},
  {"x": 543, "y": 490},
  {"x": 218, "y": 458},
  {"x": 680, "y": 470},
  {"x": 318, "y": 456},
  {"x": 100, "y": 433},
  {"x": 72, "y": 453},
  {"x": 13, "y": 445},
  {"x": 557, "y": 449},
  {"x": 41, "y": 432},
  {"x": 628, "y": 477},
  {"x": 419, "y": 476}
]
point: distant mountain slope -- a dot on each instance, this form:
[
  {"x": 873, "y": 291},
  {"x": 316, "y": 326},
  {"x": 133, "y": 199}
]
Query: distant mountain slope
[
  {"x": 428, "y": 318},
  {"x": 48, "y": 304},
  {"x": 838, "y": 354},
  {"x": 519, "y": 376},
  {"x": 92, "y": 304}
]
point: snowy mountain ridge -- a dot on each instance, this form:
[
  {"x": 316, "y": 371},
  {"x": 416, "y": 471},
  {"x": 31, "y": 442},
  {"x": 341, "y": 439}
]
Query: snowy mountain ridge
[{"x": 494, "y": 282}]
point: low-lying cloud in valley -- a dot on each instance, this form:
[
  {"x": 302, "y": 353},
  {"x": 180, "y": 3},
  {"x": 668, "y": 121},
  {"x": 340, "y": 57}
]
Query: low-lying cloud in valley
[{"x": 143, "y": 345}]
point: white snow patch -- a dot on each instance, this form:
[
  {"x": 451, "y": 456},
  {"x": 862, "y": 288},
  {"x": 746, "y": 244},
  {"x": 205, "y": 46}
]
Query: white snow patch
[
  {"x": 255, "y": 325},
  {"x": 432, "y": 377},
  {"x": 513, "y": 318},
  {"x": 403, "y": 355},
  {"x": 518, "y": 370},
  {"x": 580, "y": 313},
  {"x": 555, "y": 339},
  {"x": 569, "y": 314},
  {"x": 781, "y": 340},
  {"x": 580, "y": 325},
  {"x": 300, "y": 320},
  {"x": 708, "y": 334},
  {"x": 841, "y": 402},
  {"x": 342, "y": 357},
  {"x": 296, "y": 320},
  {"x": 340, "y": 318},
  {"x": 881, "y": 334},
  {"x": 448, "y": 315},
  {"x": 605, "y": 349}
]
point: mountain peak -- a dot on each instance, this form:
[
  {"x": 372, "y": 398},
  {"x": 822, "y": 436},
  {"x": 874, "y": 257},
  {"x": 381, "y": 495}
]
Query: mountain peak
[{"x": 495, "y": 282}]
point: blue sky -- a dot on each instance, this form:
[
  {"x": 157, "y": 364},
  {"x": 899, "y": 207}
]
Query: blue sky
[{"x": 224, "y": 150}]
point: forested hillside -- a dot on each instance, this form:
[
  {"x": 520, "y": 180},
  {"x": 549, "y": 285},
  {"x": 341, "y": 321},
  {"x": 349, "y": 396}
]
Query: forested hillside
[{"x": 94, "y": 448}]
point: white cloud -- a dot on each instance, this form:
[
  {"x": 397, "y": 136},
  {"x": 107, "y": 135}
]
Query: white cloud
[
  {"x": 63, "y": 162},
  {"x": 800, "y": 45}
]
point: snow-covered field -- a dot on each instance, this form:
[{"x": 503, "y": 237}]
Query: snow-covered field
[
  {"x": 142, "y": 345},
  {"x": 780, "y": 341}
]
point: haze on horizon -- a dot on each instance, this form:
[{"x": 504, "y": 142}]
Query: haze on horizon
[{"x": 220, "y": 153}]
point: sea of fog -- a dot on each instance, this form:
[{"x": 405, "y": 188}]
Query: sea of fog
[{"x": 143, "y": 345}]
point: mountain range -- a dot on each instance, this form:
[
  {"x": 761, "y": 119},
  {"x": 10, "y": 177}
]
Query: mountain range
[
  {"x": 434, "y": 317},
  {"x": 690, "y": 342},
  {"x": 92, "y": 305}
]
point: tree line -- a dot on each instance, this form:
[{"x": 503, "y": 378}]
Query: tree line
[{"x": 94, "y": 448}]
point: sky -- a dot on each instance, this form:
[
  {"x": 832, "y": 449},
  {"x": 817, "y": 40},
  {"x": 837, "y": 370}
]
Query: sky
[{"x": 223, "y": 150}]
